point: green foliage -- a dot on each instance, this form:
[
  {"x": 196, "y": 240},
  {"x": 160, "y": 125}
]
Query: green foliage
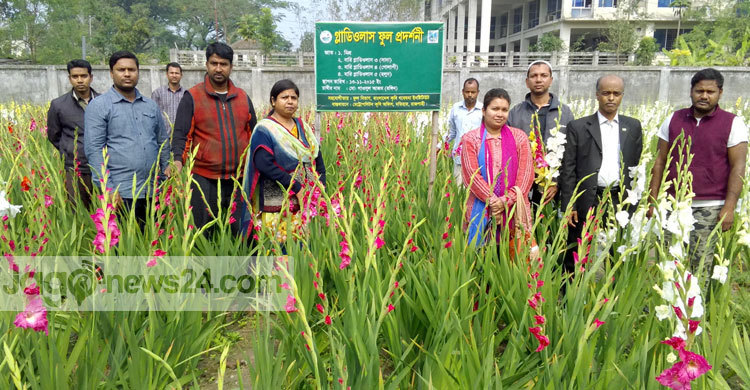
[
  {"x": 621, "y": 35},
  {"x": 262, "y": 28},
  {"x": 722, "y": 41},
  {"x": 549, "y": 42},
  {"x": 50, "y": 31},
  {"x": 646, "y": 51},
  {"x": 307, "y": 43}
]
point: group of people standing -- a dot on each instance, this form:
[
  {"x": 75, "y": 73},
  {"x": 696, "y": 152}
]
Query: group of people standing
[
  {"x": 214, "y": 121},
  {"x": 492, "y": 157}
]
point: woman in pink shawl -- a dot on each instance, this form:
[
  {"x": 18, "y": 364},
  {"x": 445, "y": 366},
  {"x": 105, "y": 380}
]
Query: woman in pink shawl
[{"x": 496, "y": 162}]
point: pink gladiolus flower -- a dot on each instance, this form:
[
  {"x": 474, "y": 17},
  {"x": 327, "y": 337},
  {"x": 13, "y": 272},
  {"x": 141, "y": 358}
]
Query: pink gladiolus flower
[
  {"x": 543, "y": 342},
  {"x": 535, "y": 330},
  {"x": 47, "y": 201},
  {"x": 691, "y": 301},
  {"x": 677, "y": 312},
  {"x": 693, "y": 325},
  {"x": 390, "y": 308},
  {"x": 379, "y": 242},
  {"x": 290, "y": 302},
  {"x": 695, "y": 365},
  {"x": 673, "y": 377},
  {"x": 344, "y": 254},
  {"x": 598, "y": 323},
  {"x": 539, "y": 320},
  {"x": 285, "y": 286},
  {"x": 533, "y": 303},
  {"x": 675, "y": 342},
  {"x": 34, "y": 316},
  {"x": 151, "y": 262}
]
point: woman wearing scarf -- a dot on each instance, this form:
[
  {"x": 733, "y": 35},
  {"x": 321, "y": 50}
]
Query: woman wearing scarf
[
  {"x": 497, "y": 163},
  {"x": 284, "y": 154}
]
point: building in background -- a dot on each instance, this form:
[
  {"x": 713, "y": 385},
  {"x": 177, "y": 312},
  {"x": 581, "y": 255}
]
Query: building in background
[{"x": 482, "y": 26}]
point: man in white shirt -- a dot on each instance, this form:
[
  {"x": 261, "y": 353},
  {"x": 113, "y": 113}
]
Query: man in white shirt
[
  {"x": 601, "y": 146},
  {"x": 465, "y": 116}
]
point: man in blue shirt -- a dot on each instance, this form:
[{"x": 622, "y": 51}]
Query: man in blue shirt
[
  {"x": 129, "y": 125},
  {"x": 465, "y": 116}
]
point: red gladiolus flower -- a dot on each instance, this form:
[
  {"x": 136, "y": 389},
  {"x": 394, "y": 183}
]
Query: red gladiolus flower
[
  {"x": 445, "y": 235},
  {"x": 598, "y": 323},
  {"x": 32, "y": 290},
  {"x": 448, "y": 244},
  {"x": 693, "y": 325},
  {"x": 379, "y": 242},
  {"x": 414, "y": 248},
  {"x": 322, "y": 296},
  {"x": 677, "y": 312},
  {"x": 328, "y": 320},
  {"x": 390, "y": 308},
  {"x": 539, "y": 320},
  {"x": 675, "y": 342},
  {"x": 320, "y": 308},
  {"x": 25, "y": 184}
]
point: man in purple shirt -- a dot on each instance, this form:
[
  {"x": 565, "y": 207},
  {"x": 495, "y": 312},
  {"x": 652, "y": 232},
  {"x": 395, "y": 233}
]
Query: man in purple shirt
[{"x": 719, "y": 149}]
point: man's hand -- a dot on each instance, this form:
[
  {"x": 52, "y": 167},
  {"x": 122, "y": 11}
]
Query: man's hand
[
  {"x": 573, "y": 218},
  {"x": 728, "y": 215},
  {"x": 173, "y": 169},
  {"x": 550, "y": 193}
]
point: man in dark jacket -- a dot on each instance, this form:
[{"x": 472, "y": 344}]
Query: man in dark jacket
[
  {"x": 545, "y": 105},
  {"x": 599, "y": 150},
  {"x": 65, "y": 124},
  {"x": 216, "y": 118}
]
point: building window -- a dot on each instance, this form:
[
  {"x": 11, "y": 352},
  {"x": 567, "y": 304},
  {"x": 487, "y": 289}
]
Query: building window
[
  {"x": 517, "y": 19},
  {"x": 533, "y": 13},
  {"x": 608, "y": 3},
  {"x": 665, "y": 37},
  {"x": 665, "y": 3},
  {"x": 554, "y": 8},
  {"x": 583, "y": 3},
  {"x": 503, "y": 26},
  {"x": 492, "y": 27}
]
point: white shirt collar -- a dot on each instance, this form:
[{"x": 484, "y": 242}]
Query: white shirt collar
[{"x": 603, "y": 119}]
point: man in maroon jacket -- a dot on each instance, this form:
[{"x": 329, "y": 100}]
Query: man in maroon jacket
[
  {"x": 719, "y": 147},
  {"x": 214, "y": 118}
]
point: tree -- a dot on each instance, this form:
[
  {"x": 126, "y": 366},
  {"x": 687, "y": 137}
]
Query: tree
[
  {"x": 549, "y": 42},
  {"x": 307, "y": 43},
  {"x": 262, "y": 28},
  {"x": 621, "y": 35},
  {"x": 678, "y": 6},
  {"x": 646, "y": 51},
  {"x": 381, "y": 10}
]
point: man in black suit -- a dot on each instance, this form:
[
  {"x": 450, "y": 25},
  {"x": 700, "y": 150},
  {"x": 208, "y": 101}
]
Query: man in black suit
[
  {"x": 65, "y": 130},
  {"x": 601, "y": 146}
]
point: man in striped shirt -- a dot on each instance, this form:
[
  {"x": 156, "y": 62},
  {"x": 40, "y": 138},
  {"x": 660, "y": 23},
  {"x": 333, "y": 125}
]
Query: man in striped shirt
[{"x": 168, "y": 97}]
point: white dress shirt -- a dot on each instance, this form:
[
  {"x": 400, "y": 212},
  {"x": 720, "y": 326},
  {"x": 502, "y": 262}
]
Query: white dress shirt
[
  {"x": 461, "y": 120},
  {"x": 609, "y": 172}
]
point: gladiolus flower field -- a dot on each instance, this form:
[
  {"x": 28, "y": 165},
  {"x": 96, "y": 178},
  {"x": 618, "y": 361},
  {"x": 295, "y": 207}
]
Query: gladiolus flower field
[{"x": 383, "y": 290}]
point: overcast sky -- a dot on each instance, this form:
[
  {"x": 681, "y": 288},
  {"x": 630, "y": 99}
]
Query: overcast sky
[{"x": 292, "y": 25}]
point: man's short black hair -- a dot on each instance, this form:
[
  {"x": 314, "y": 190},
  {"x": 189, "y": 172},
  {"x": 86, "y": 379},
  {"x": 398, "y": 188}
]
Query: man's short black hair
[
  {"x": 173, "y": 65},
  {"x": 79, "y": 64},
  {"x": 118, "y": 55},
  {"x": 708, "y": 74},
  {"x": 471, "y": 80},
  {"x": 220, "y": 49}
]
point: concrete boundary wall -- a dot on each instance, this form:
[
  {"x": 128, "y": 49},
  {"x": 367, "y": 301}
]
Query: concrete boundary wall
[{"x": 39, "y": 84}]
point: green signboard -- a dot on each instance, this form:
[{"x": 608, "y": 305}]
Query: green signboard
[{"x": 378, "y": 66}]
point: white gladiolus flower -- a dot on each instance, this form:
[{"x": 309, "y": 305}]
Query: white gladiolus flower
[
  {"x": 676, "y": 251},
  {"x": 366, "y": 119},
  {"x": 671, "y": 358},
  {"x": 622, "y": 218},
  {"x": 667, "y": 269},
  {"x": 663, "y": 312},
  {"x": 698, "y": 309},
  {"x": 667, "y": 292},
  {"x": 621, "y": 249},
  {"x": 720, "y": 273},
  {"x": 6, "y": 208}
]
